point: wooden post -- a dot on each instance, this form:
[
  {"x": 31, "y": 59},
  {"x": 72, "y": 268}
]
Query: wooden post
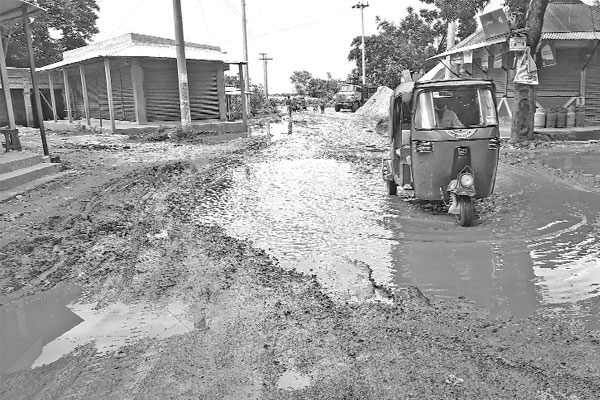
[
  {"x": 67, "y": 92},
  {"x": 137, "y": 82},
  {"x": 86, "y": 102},
  {"x": 111, "y": 106},
  {"x": 6, "y": 88},
  {"x": 184, "y": 92},
  {"x": 52, "y": 96},
  {"x": 244, "y": 100},
  {"x": 36, "y": 91}
]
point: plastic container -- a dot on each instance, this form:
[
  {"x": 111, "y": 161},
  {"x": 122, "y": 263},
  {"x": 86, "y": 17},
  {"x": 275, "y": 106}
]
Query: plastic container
[
  {"x": 539, "y": 118},
  {"x": 551, "y": 118},
  {"x": 570, "y": 117},
  {"x": 561, "y": 118},
  {"x": 580, "y": 116}
]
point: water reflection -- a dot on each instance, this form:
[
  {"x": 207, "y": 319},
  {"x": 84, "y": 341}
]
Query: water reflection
[
  {"x": 316, "y": 201},
  {"x": 27, "y": 325},
  {"x": 38, "y": 330}
]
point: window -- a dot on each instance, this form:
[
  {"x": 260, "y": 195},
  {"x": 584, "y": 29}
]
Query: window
[{"x": 456, "y": 107}]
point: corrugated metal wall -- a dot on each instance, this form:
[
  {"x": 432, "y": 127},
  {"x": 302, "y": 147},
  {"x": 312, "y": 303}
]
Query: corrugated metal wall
[
  {"x": 592, "y": 90},
  {"x": 123, "y": 101},
  {"x": 562, "y": 79},
  {"x": 161, "y": 90}
]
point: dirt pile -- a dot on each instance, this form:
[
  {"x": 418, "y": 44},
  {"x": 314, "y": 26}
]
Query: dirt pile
[{"x": 378, "y": 105}]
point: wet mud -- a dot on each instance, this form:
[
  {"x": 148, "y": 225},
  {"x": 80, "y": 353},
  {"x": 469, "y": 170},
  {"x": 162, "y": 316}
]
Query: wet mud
[{"x": 200, "y": 239}]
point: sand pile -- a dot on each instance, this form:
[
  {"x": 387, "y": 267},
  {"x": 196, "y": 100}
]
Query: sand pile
[{"x": 378, "y": 105}]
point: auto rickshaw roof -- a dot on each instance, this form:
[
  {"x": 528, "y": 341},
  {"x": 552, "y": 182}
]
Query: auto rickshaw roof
[{"x": 454, "y": 82}]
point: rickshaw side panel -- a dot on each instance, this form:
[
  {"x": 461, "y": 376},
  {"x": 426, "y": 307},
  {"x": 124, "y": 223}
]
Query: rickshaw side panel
[{"x": 434, "y": 170}]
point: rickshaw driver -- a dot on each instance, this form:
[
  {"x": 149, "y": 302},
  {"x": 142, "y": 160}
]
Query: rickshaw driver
[{"x": 448, "y": 119}]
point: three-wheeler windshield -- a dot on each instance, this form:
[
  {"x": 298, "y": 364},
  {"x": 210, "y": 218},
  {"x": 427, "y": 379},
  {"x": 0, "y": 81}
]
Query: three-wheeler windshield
[{"x": 456, "y": 107}]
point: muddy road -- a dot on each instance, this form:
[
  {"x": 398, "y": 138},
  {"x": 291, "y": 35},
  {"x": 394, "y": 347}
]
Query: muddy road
[{"x": 276, "y": 267}]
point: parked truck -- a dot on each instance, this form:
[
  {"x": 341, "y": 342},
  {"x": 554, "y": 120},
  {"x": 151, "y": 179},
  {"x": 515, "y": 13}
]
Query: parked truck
[{"x": 352, "y": 96}]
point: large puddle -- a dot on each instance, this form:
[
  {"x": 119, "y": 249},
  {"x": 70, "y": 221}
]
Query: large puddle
[
  {"x": 329, "y": 217},
  {"x": 38, "y": 330}
]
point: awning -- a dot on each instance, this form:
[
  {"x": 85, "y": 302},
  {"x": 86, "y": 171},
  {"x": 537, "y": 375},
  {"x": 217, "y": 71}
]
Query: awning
[
  {"x": 472, "y": 46},
  {"x": 11, "y": 9}
]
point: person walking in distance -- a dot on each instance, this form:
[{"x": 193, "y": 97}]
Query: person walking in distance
[{"x": 288, "y": 104}]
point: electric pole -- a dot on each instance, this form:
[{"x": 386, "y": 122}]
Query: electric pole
[
  {"x": 245, "y": 37},
  {"x": 184, "y": 90},
  {"x": 362, "y": 6},
  {"x": 265, "y": 60}
]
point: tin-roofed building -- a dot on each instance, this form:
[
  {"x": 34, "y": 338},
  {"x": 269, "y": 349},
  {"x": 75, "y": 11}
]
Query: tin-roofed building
[
  {"x": 142, "y": 71},
  {"x": 571, "y": 29}
]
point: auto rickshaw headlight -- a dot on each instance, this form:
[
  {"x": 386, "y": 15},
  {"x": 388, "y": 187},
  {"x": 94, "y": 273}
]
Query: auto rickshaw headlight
[{"x": 466, "y": 180}]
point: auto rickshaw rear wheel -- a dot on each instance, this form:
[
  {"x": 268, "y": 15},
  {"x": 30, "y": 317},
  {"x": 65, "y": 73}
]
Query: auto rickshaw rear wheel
[
  {"x": 466, "y": 214},
  {"x": 355, "y": 106},
  {"x": 392, "y": 187}
]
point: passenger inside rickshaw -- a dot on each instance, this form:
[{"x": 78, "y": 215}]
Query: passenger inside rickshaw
[{"x": 456, "y": 108}]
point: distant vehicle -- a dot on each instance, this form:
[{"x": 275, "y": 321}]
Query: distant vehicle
[
  {"x": 352, "y": 96},
  {"x": 299, "y": 104}
]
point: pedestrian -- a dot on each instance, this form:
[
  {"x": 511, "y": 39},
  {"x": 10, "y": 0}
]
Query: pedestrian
[
  {"x": 288, "y": 103},
  {"x": 322, "y": 106}
]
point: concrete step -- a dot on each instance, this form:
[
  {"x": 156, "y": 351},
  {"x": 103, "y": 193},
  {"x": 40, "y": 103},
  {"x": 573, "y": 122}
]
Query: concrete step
[
  {"x": 10, "y": 180},
  {"x": 14, "y": 160}
]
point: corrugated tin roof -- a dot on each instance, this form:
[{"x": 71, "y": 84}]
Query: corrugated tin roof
[
  {"x": 571, "y": 35},
  {"x": 564, "y": 20},
  {"x": 562, "y": 16},
  {"x": 135, "y": 45}
]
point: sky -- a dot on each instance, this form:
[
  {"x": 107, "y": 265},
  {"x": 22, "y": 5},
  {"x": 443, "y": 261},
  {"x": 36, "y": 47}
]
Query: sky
[{"x": 312, "y": 35}]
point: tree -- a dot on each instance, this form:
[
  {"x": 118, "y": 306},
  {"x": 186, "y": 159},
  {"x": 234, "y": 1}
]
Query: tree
[
  {"x": 462, "y": 11},
  {"x": 395, "y": 48},
  {"x": 522, "y": 124},
  {"x": 300, "y": 80},
  {"x": 417, "y": 37},
  {"x": 74, "y": 21}
]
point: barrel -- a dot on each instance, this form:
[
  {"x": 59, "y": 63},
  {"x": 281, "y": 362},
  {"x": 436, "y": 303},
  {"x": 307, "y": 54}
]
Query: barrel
[
  {"x": 551, "y": 118},
  {"x": 570, "y": 117},
  {"x": 580, "y": 116},
  {"x": 539, "y": 118},
  {"x": 561, "y": 117}
]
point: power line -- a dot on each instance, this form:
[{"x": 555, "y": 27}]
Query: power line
[
  {"x": 233, "y": 10},
  {"x": 204, "y": 18},
  {"x": 128, "y": 17}
]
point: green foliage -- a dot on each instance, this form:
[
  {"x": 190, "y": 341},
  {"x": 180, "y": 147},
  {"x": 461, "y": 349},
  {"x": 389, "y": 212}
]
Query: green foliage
[
  {"x": 461, "y": 10},
  {"x": 300, "y": 81},
  {"x": 395, "y": 48},
  {"x": 307, "y": 85},
  {"x": 74, "y": 20},
  {"x": 408, "y": 44},
  {"x": 258, "y": 102}
]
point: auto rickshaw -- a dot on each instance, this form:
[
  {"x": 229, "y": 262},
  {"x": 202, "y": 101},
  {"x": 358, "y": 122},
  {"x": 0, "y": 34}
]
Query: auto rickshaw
[{"x": 444, "y": 143}]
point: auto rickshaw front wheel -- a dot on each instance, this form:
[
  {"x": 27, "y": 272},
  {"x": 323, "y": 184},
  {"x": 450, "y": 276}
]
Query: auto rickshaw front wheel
[
  {"x": 392, "y": 187},
  {"x": 466, "y": 214}
]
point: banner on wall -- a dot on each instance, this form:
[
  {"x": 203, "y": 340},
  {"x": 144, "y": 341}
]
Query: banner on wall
[
  {"x": 468, "y": 57},
  {"x": 547, "y": 54},
  {"x": 498, "y": 60},
  {"x": 485, "y": 55}
]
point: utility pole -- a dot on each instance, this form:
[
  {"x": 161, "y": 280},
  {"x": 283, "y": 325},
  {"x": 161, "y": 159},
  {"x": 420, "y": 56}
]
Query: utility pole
[
  {"x": 450, "y": 37},
  {"x": 265, "y": 60},
  {"x": 245, "y": 37},
  {"x": 362, "y": 6},
  {"x": 184, "y": 90}
]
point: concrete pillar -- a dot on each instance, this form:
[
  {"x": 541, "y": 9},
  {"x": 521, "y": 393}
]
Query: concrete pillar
[
  {"x": 86, "y": 101},
  {"x": 28, "y": 105},
  {"x": 137, "y": 80},
  {"x": 111, "y": 105},
  {"x": 67, "y": 92},
  {"x": 221, "y": 94}
]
